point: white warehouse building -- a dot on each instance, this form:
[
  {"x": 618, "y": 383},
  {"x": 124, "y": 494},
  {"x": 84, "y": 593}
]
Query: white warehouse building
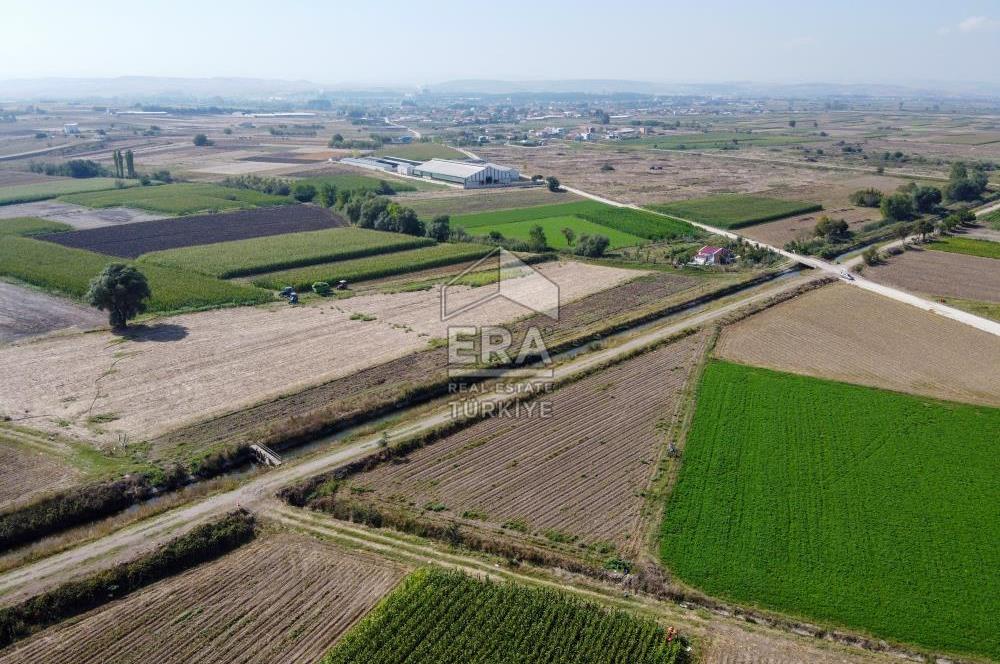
[{"x": 469, "y": 174}]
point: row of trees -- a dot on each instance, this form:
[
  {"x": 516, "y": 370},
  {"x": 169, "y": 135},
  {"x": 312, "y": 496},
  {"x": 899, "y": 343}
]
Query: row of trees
[{"x": 124, "y": 164}]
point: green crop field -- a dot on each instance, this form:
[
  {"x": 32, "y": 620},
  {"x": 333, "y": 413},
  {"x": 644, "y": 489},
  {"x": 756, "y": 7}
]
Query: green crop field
[
  {"x": 967, "y": 245},
  {"x": 69, "y": 271},
  {"x": 31, "y": 226},
  {"x": 178, "y": 198},
  {"x": 862, "y": 507},
  {"x": 373, "y": 267},
  {"x": 623, "y": 226},
  {"x": 281, "y": 252},
  {"x": 354, "y": 182},
  {"x": 520, "y": 230},
  {"x": 721, "y": 139},
  {"x": 993, "y": 219},
  {"x": 40, "y": 191},
  {"x": 422, "y": 152},
  {"x": 734, "y": 210},
  {"x": 437, "y": 616}
]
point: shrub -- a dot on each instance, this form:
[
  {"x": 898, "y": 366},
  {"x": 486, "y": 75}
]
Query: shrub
[
  {"x": 201, "y": 140},
  {"x": 866, "y": 198},
  {"x": 591, "y": 246},
  {"x": 898, "y": 206},
  {"x": 321, "y": 288},
  {"x": 304, "y": 192}
]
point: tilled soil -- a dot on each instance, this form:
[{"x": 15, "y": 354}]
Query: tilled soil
[
  {"x": 851, "y": 335},
  {"x": 941, "y": 273},
  {"x": 283, "y": 599},
  {"x": 25, "y": 313}
]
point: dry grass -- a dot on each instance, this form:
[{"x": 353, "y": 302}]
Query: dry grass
[
  {"x": 283, "y": 599},
  {"x": 848, "y": 334}
]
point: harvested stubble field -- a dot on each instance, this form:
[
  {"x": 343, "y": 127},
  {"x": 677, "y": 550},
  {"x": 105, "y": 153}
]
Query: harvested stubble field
[
  {"x": 438, "y": 617},
  {"x": 941, "y": 273},
  {"x": 388, "y": 383},
  {"x": 253, "y": 256},
  {"x": 576, "y": 476},
  {"x": 201, "y": 365},
  {"x": 133, "y": 240},
  {"x": 848, "y": 334},
  {"x": 178, "y": 198},
  {"x": 282, "y": 599},
  {"x": 734, "y": 210},
  {"x": 895, "y": 534},
  {"x": 26, "y": 472},
  {"x": 25, "y": 312}
]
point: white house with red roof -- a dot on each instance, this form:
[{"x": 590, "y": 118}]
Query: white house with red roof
[{"x": 709, "y": 255}]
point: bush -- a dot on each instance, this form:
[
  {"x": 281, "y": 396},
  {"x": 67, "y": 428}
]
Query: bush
[
  {"x": 201, "y": 140},
  {"x": 867, "y": 198},
  {"x": 591, "y": 246},
  {"x": 321, "y": 288},
  {"x": 304, "y": 192},
  {"x": 898, "y": 206}
]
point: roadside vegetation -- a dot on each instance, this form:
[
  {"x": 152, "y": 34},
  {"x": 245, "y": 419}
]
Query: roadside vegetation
[
  {"x": 438, "y": 616},
  {"x": 882, "y": 517},
  {"x": 734, "y": 210}
]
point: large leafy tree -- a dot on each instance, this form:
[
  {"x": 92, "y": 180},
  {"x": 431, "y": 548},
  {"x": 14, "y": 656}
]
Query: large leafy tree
[{"x": 122, "y": 291}]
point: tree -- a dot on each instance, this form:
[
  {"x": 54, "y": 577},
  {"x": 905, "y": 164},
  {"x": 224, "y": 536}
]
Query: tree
[
  {"x": 553, "y": 182},
  {"x": 870, "y": 256},
  {"x": 440, "y": 228},
  {"x": 965, "y": 184},
  {"x": 129, "y": 164},
  {"x": 927, "y": 198},
  {"x": 304, "y": 192},
  {"x": 122, "y": 291},
  {"x": 536, "y": 239},
  {"x": 902, "y": 232},
  {"x": 569, "y": 235},
  {"x": 201, "y": 140},
  {"x": 353, "y": 210},
  {"x": 792, "y": 123},
  {"x": 924, "y": 227},
  {"x": 831, "y": 229},
  {"x": 591, "y": 246},
  {"x": 897, "y": 207},
  {"x": 328, "y": 194},
  {"x": 406, "y": 221}
]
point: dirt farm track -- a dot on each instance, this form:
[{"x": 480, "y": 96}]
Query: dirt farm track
[{"x": 847, "y": 334}]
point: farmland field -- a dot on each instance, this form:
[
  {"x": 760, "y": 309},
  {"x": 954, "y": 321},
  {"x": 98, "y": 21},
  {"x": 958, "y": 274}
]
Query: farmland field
[
  {"x": 25, "y": 193},
  {"x": 76, "y": 216},
  {"x": 847, "y": 334},
  {"x": 734, "y": 210},
  {"x": 881, "y": 541},
  {"x": 576, "y": 476},
  {"x": 245, "y": 257},
  {"x": 133, "y": 240},
  {"x": 422, "y": 152},
  {"x": 437, "y": 616},
  {"x": 178, "y": 198},
  {"x": 26, "y": 472},
  {"x": 68, "y": 271},
  {"x": 31, "y": 226},
  {"x": 485, "y": 200},
  {"x": 968, "y": 246},
  {"x": 26, "y": 312},
  {"x": 372, "y": 267},
  {"x": 715, "y": 140},
  {"x": 941, "y": 274},
  {"x": 280, "y": 599},
  {"x": 624, "y": 227},
  {"x": 356, "y": 182},
  {"x": 221, "y": 362}
]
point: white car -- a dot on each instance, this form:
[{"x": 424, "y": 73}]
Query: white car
[{"x": 844, "y": 274}]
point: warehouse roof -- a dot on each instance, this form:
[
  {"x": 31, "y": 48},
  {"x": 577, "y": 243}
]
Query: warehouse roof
[{"x": 458, "y": 169}]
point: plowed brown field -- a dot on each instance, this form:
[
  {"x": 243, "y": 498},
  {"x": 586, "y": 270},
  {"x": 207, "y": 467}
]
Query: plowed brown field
[
  {"x": 577, "y": 475},
  {"x": 26, "y": 472},
  {"x": 848, "y": 334},
  {"x": 284, "y": 599},
  {"x": 941, "y": 273}
]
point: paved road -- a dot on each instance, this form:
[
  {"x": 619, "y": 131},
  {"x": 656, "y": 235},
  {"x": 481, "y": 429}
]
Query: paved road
[
  {"x": 143, "y": 536},
  {"x": 978, "y": 322}
]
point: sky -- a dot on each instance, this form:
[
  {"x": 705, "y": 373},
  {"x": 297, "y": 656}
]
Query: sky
[{"x": 415, "y": 43}]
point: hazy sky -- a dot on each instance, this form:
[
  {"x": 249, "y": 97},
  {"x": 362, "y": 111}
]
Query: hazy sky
[{"x": 429, "y": 41}]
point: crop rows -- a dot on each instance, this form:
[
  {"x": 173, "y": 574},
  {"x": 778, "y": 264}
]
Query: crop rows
[
  {"x": 969, "y": 246},
  {"x": 866, "y": 508},
  {"x": 282, "y": 599},
  {"x": 178, "y": 198},
  {"x": 31, "y": 226},
  {"x": 135, "y": 239},
  {"x": 437, "y": 616},
  {"x": 69, "y": 271},
  {"x": 268, "y": 254},
  {"x": 26, "y": 473},
  {"x": 578, "y": 472},
  {"x": 734, "y": 210},
  {"x": 373, "y": 267},
  {"x": 40, "y": 191}
]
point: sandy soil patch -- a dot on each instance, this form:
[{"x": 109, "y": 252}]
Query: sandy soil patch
[
  {"x": 77, "y": 216},
  {"x": 190, "y": 367},
  {"x": 283, "y": 599},
  {"x": 941, "y": 273},
  {"x": 851, "y": 335},
  {"x": 25, "y": 313}
]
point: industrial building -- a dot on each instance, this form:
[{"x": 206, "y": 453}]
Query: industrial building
[{"x": 469, "y": 174}]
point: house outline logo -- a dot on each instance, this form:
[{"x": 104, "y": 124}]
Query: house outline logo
[{"x": 516, "y": 281}]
